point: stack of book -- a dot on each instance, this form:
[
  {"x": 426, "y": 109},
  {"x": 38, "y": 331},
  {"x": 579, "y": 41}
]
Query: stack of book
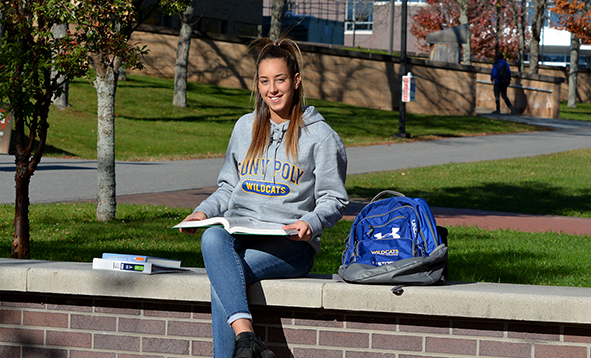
[{"x": 136, "y": 263}]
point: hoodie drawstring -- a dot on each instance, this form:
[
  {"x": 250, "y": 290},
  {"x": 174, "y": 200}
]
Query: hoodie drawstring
[{"x": 275, "y": 139}]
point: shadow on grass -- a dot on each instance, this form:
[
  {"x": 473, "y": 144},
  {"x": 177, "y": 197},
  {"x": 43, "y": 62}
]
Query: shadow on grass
[
  {"x": 48, "y": 150},
  {"x": 529, "y": 198},
  {"x": 54, "y": 151},
  {"x": 228, "y": 119},
  {"x": 508, "y": 266},
  {"x": 206, "y": 102},
  {"x": 84, "y": 244},
  {"x": 70, "y": 232},
  {"x": 478, "y": 255}
]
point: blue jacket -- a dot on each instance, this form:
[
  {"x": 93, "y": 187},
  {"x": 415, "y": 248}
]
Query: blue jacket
[{"x": 494, "y": 74}]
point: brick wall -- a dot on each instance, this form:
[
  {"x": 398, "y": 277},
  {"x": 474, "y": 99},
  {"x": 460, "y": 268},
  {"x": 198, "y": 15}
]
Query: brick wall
[
  {"x": 364, "y": 79},
  {"x": 583, "y": 82},
  {"x": 62, "y": 326},
  {"x": 91, "y": 327}
]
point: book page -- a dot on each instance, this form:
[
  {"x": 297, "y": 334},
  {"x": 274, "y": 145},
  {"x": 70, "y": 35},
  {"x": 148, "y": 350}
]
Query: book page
[
  {"x": 240, "y": 225},
  {"x": 220, "y": 221}
]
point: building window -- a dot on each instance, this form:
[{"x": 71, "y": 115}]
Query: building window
[
  {"x": 359, "y": 15},
  {"x": 411, "y": 1},
  {"x": 243, "y": 29},
  {"x": 215, "y": 26},
  {"x": 560, "y": 60}
]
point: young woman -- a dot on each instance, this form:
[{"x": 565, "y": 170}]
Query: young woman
[{"x": 284, "y": 164}]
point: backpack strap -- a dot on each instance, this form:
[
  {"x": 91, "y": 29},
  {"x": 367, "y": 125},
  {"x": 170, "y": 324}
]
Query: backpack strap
[{"x": 385, "y": 192}]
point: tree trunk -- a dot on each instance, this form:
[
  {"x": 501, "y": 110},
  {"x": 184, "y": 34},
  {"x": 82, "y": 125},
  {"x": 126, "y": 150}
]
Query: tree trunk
[
  {"x": 498, "y": 30},
  {"x": 60, "y": 99},
  {"x": 536, "y": 29},
  {"x": 277, "y": 19},
  {"x": 1, "y": 26},
  {"x": 182, "y": 59},
  {"x": 518, "y": 8},
  {"x": 26, "y": 164},
  {"x": 521, "y": 25},
  {"x": 29, "y": 149},
  {"x": 22, "y": 178},
  {"x": 122, "y": 74},
  {"x": 464, "y": 19},
  {"x": 575, "y": 48},
  {"x": 20, "y": 242},
  {"x": 106, "y": 85}
]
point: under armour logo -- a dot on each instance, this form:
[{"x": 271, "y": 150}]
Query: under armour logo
[{"x": 394, "y": 234}]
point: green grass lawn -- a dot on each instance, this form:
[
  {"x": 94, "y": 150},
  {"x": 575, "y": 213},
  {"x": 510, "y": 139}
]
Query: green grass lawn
[
  {"x": 148, "y": 127},
  {"x": 581, "y": 113},
  {"x": 554, "y": 184},
  {"x": 70, "y": 232}
]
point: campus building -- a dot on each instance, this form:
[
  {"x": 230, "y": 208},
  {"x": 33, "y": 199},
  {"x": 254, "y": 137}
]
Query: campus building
[
  {"x": 375, "y": 24},
  {"x": 368, "y": 24},
  {"x": 555, "y": 49},
  {"x": 365, "y": 23},
  {"x": 229, "y": 17}
]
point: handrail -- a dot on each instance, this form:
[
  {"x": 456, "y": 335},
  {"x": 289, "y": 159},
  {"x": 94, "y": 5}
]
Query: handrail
[{"x": 519, "y": 86}]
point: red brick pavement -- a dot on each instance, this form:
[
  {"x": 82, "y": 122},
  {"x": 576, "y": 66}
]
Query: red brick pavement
[{"x": 444, "y": 216}]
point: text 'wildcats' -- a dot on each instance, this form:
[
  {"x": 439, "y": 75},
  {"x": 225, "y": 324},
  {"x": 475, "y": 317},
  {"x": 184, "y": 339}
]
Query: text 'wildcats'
[
  {"x": 265, "y": 188},
  {"x": 391, "y": 252}
]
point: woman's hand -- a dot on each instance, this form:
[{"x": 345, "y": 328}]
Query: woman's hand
[
  {"x": 304, "y": 231},
  {"x": 196, "y": 216}
]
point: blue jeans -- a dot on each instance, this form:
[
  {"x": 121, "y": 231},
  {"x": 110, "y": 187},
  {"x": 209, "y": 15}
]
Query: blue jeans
[{"x": 235, "y": 261}]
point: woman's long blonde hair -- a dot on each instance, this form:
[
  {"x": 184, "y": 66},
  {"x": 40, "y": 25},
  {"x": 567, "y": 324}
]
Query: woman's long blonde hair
[{"x": 289, "y": 51}]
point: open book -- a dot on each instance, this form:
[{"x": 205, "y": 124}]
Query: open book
[{"x": 239, "y": 225}]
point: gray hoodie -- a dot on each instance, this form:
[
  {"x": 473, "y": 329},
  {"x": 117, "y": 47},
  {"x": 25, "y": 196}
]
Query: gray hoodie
[{"x": 276, "y": 189}]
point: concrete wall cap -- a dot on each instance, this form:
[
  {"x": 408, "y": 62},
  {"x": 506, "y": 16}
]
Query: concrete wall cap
[{"x": 454, "y": 299}]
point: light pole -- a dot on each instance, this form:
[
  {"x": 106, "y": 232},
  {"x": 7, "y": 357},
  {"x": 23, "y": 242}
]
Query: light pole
[
  {"x": 392, "y": 7},
  {"x": 402, "y": 120}
]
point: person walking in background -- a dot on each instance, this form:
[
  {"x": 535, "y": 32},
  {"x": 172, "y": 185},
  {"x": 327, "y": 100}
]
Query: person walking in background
[
  {"x": 284, "y": 164},
  {"x": 500, "y": 77}
]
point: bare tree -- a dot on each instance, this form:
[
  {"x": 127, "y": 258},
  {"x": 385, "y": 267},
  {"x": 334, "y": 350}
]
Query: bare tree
[
  {"x": 182, "y": 59},
  {"x": 60, "y": 98},
  {"x": 464, "y": 19},
  {"x": 536, "y": 29},
  {"x": 518, "y": 9},
  {"x": 575, "y": 50},
  {"x": 277, "y": 15},
  {"x": 108, "y": 59}
]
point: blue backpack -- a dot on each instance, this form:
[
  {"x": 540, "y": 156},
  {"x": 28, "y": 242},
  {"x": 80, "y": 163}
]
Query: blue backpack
[{"x": 395, "y": 241}]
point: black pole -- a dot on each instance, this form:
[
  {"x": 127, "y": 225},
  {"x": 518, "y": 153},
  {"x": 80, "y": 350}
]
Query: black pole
[
  {"x": 403, "y": 59},
  {"x": 391, "y": 42}
]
